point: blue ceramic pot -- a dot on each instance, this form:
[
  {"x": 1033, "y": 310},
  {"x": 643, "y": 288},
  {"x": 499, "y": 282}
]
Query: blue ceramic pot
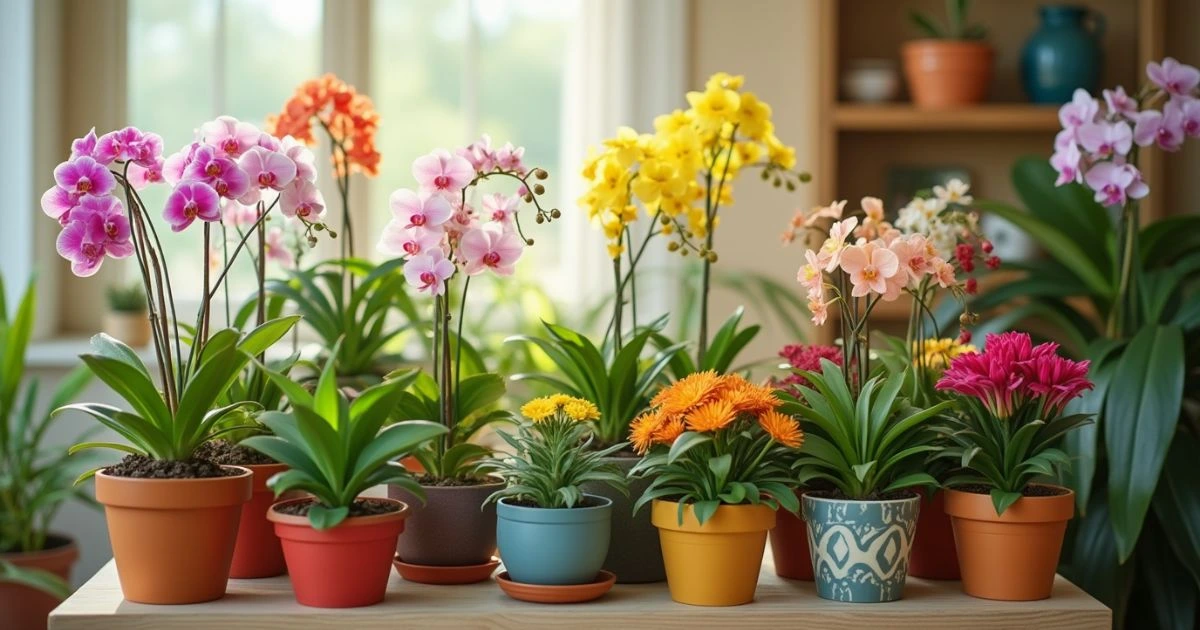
[
  {"x": 1063, "y": 54},
  {"x": 860, "y": 548},
  {"x": 554, "y": 546}
]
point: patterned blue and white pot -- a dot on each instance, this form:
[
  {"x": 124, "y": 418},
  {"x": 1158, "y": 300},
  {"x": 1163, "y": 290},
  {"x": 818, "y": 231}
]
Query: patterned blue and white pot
[{"x": 860, "y": 548}]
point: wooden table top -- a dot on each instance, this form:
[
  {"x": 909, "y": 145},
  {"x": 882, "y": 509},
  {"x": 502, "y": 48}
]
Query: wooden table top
[{"x": 268, "y": 604}]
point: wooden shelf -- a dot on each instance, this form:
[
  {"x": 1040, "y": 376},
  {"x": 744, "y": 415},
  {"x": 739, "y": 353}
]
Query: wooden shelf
[
  {"x": 268, "y": 603},
  {"x": 989, "y": 118}
]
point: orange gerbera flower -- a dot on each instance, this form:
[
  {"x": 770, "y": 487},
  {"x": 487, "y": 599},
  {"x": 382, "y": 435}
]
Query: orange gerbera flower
[
  {"x": 671, "y": 428},
  {"x": 712, "y": 416},
  {"x": 687, "y": 393},
  {"x": 642, "y": 430},
  {"x": 782, "y": 428},
  {"x": 747, "y": 397},
  {"x": 349, "y": 118}
]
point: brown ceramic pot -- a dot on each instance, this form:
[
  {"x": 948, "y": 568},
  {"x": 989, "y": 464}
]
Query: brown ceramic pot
[
  {"x": 634, "y": 551},
  {"x": 27, "y": 608},
  {"x": 173, "y": 539},
  {"x": 946, "y": 73},
  {"x": 789, "y": 546},
  {"x": 451, "y": 528},
  {"x": 934, "y": 556},
  {"x": 257, "y": 553},
  {"x": 1011, "y": 557}
]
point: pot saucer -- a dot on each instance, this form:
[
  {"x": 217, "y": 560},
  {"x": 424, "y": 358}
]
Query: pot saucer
[
  {"x": 430, "y": 574},
  {"x": 557, "y": 594}
]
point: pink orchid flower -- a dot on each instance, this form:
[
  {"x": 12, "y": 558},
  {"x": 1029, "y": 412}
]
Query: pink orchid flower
[
  {"x": 831, "y": 250},
  {"x": 480, "y": 154},
  {"x": 819, "y": 309},
  {"x": 82, "y": 243},
  {"x": 427, "y": 209},
  {"x": 121, "y": 144},
  {"x": 508, "y": 158},
  {"x": 429, "y": 272},
  {"x": 267, "y": 169},
  {"x": 277, "y": 250},
  {"x": 141, "y": 176},
  {"x": 112, "y": 223},
  {"x": 1176, "y": 78},
  {"x": 220, "y": 173},
  {"x": 84, "y": 176},
  {"x": 236, "y": 214},
  {"x": 486, "y": 247},
  {"x": 301, "y": 155},
  {"x": 85, "y": 145},
  {"x": 1111, "y": 181},
  {"x": 302, "y": 199},
  {"x": 1081, "y": 110},
  {"x": 1189, "y": 111},
  {"x": 810, "y": 275},
  {"x": 1121, "y": 103},
  {"x": 176, "y": 163},
  {"x": 1066, "y": 163},
  {"x": 189, "y": 201},
  {"x": 943, "y": 272},
  {"x": 230, "y": 137},
  {"x": 912, "y": 252},
  {"x": 58, "y": 202},
  {"x": 407, "y": 240},
  {"x": 869, "y": 267},
  {"x": 1163, "y": 128},
  {"x": 269, "y": 142},
  {"x": 441, "y": 173},
  {"x": 501, "y": 208},
  {"x": 1106, "y": 139}
]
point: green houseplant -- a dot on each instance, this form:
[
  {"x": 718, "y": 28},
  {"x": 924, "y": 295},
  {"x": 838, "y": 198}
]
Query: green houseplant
[
  {"x": 35, "y": 563},
  {"x": 950, "y": 65},
  {"x": 549, "y": 531},
  {"x": 127, "y": 317}
]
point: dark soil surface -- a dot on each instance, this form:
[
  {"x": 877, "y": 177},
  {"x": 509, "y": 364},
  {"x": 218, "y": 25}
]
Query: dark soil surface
[
  {"x": 884, "y": 496},
  {"x": 360, "y": 507},
  {"x": 586, "y": 503},
  {"x": 453, "y": 482},
  {"x": 142, "y": 467},
  {"x": 1029, "y": 491},
  {"x": 225, "y": 452}
]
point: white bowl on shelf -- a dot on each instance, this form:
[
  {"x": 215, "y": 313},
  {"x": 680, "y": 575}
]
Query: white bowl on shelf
[{"x": 871, "y": 81}]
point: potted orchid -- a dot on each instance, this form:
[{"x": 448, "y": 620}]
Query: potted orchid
[
  {"x": 1009, "y": 529},
  {"x": 443, "y": 240},
  {"x": 164, "y": 506}
]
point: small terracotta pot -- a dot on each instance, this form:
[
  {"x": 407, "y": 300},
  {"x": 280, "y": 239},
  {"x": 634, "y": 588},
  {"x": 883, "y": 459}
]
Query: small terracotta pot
[
  {"x": 945, "y": 73},
  {"x": 173, "y": 539},
  {"x": 450, "y": 528},
  {"x": 258, "y": 553},
  {"x": 934, "y": 556},
  {"x": 1013, "y": 556},
  {"x": 789, "y": 546},
  {"x": 717, "y": 563},
  {"x": 132, "y": 328},
  {"x": 342, "y": 567},
  {"x": 27, "y": 608}
]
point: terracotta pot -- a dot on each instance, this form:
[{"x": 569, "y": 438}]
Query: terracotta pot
[
  {"x": 934, "y": 556},
  {"x": 634, "y": 553},
  {"x": 1010, "y": 557},
  {"x": 258, "y": 553},
  {"x": 132, "y": 328},
  {"x": 342, "y": 567},
  {"x": 450, "y": 528},
  {"x": 789, "y": 546},
  {"x": 944, "y": 73},
  {"x": 25, "y": 607},
  {"x": 173, "y": 539},
  {"x": 717, "y": 563}
]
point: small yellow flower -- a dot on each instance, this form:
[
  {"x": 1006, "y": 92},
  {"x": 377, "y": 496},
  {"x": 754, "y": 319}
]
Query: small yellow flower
[
  {"x": 779, "y": 153},
  {"x": 539, "y": 409},
  {"x": 938, "y": 353},
  {"x": 754, "y": 117},
  {"x": 725, "y": 80},
  {"x": 668, "y": 124},
  {"x": 615, "y": 251},
  {"x": 714, "y": 107},
  {"x": 581, "y": 410}
]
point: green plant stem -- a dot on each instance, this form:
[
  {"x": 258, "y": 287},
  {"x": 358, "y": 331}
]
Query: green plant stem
[
  {"x": 619, "y": 304},
  {"x": 202, "y": 330},
  {"x": 633, "y": 311},
  {"x": 462, "y": 316},
  {"x": 1121, "y": 318},
  {"x": 225, "y": 257},
  {"x": 711, "y": 207}
]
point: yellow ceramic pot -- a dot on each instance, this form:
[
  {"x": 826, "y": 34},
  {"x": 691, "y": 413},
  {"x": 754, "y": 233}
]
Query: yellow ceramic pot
[{"x": 717, "y": 563}]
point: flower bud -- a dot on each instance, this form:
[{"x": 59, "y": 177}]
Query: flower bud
[
  {"x": 554, "y": 213},
  {"x": 539, "y": 189},
  {"x": 986, "y": 246},
  {"x": 529, "y": 242},
  {"x": 805, "y": 177},
  {"x": 539, "y": 219},
  {"x": 791, "y": 186},
  {"x": 964, "y": 337},
  {"x": 672, "y": 246},
  {"x": 540, "y": 173},
  {"x": 712, "y": 257},
  {"x": 964, "y": 319},
  {"x": 528, "y": 197}
]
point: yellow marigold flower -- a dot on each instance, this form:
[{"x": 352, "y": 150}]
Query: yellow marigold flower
[
  {"x": 712, "y": 416},
  {"x": 581, "y": 410},
  {"x": 539, "y": 409},
  {"x": 782, "y": 428},
  {"x": 687, "y": 393},
  {"x": 725, "y": 80}
]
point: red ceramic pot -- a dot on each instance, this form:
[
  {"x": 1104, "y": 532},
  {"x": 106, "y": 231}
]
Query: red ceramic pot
[
  {"x": 934, "y": 556},
  {"x": 258, "y": 553},
  {"x": 26, "y": 607},
  {"x": 342, "y": 567},
  {"x": 789, "y": 547}
]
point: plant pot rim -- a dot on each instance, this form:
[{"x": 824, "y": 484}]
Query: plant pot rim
[
  {"x": 913, "y": 496},
  {"x": 245, "y": 472},
  {"x": 68, "y": 546},
  {"x": 937, "y": 42},
  {"x": 350, "y": 521},
  {"x": 555, "y": 515},
  {"x": 1039, "y": 509},
  {"x": 746, "y": 517}
]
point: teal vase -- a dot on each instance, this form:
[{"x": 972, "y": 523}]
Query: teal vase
[
  {"x": 1064, "y": 54},
  {"x": 551, "y": 546},
  {"x": 860, "y": 549}
]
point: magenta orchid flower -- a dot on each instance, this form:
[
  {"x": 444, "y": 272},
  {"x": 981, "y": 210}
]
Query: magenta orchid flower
[
  {"x": 141, "y": 176},
  {"x": 1121, "y": 103},
  {"x": 85, "y": 145},
  {"x": 302, "y": 199},
  {"x": 277, "y": 250},
  {"x": 1163, "y": 128},
  {"x": 501, "y": 208},
  {"x": 222, "y": 174},
  {"x": 176, "y": 164},
  {"x": 230, "y": 137},
  {"x": 489, "y": 248},
  {"x": 1175, "y": 78},
  {"x": 429, "y": 272},
  {"x": 1106, "y": 139},
  {"x": 112, "y": 223},
  {"x": 82, "y": 243},
  {"x": 1081, "y": 110},
  {"x": 408, "y": 241},
  {"x": 441, "y": 173},
  {"x": 58, "y": 202},
  {"x": 424, "y": 210},
  {"x": 84, "y": 176},
  {"x": 129, "y": 144},
  {"x": 1066, "y": 163},
  {"x": 267, "y": 169},
  {"x": 301, "y": 156},
  {"x": 1109, "y": 181},
  {"x": 189, "y": 201},
  {"x": 1189, "y": 112}
]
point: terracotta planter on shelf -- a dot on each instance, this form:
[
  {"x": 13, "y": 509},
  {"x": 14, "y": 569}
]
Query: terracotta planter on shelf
[
  {"x": 132, "y": 328},
  {"x": 945, "y": 73},
  {"x": 634, "y": 554},
  {"x": 346, "y": 566},
  {"x": 934, "y": 556},
  {"x": 258, "y": 553},
  {"x": 789, "y": 546},
  {"x": 717, "y": 563},
  {"x": 1013, "y": 556},
  {"x": 25, "y": 607},
  {"x": 173, "y": 539},
  {"x": 450, "y": 529}
]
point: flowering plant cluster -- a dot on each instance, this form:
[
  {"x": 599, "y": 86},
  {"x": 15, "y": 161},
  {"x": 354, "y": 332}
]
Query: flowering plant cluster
[
  {"x": 804, "y": 358},
  {"x": 551, "y": 459},
  {"x": 712, "y": 439},
  {"x": 1014, "y": 394}
]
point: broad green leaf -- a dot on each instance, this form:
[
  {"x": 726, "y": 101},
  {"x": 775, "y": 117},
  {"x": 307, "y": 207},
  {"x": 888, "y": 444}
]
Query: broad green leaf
[
  {"x": 684, "y": 443},
  {"x": 323, "y": 517},
  {"x": 1177, "y": 502}
]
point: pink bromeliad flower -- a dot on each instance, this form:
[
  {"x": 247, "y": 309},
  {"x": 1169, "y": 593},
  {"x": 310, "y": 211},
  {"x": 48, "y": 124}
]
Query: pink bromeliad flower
[
  {"x": 84, "y": 176},
  {"x": 804, "y": 358},
  {"x": 408, "y": 241},
  {"x": 267, "y": 169},
  {"x": 229, "y": 136},
  {"x": 429, "y": 272},
  {"x": 1056, "y": 380},
  {"x": 441, "y": 173},
  {"x": 487, "y": 247},
  {"x": 189, "y": 201},
  {"x": 222, "y": 174},
  {"x": 424, "y": 210}
]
